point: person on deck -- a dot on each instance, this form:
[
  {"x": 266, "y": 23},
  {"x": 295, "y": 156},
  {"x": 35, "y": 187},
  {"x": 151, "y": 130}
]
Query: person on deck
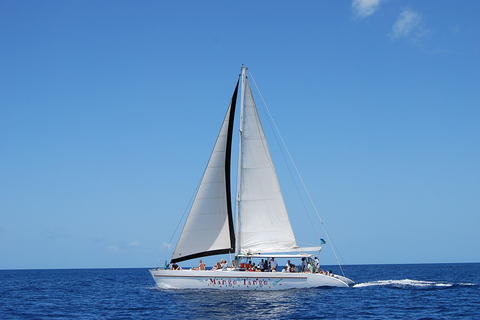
[
  {"x": 304, "y": 265},
  {"x": 289, "y": 265},
  {"x": 265, "y": 266},
  {"x": 217, "y": 266},
  {"x": 201, "y": 265},
  {"x": 293, "y": 268},
  {"x": 273, "y": 265},
  {"x": 316, "y": 264},
  {"x": 309, "y": 267}
]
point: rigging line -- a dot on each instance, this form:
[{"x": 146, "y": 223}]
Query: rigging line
[
  {"x": 299, "y": 176},
  {"x": 306, "y": 243}
]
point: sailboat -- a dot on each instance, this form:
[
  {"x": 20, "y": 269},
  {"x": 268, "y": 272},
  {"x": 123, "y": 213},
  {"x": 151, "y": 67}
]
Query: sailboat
[{"x": 263, "y": 228}]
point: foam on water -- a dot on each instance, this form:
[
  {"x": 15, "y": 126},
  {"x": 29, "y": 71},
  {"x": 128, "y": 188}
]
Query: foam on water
[{"x": 409, "y": 283}]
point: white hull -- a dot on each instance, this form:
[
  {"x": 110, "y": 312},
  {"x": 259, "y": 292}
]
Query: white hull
[{"x": 242, "y": 280}]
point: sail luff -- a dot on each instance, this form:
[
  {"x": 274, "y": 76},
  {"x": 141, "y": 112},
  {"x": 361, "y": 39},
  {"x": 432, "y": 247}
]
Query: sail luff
[
  {"x": 228, "y": 162},
  {"x": 239, "y": 168},
  {"x": 209, "y": 226}
]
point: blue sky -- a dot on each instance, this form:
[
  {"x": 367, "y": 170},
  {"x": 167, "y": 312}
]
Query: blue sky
[{"x": 109, "y": 110}]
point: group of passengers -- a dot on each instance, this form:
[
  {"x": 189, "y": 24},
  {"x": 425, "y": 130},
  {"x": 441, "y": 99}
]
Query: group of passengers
[
  {"x": 327, "y": 273},
  {"x": 222, "y": 265},
  {"x": 307, "y": 266},
  {"x": 267, "y": 265}
]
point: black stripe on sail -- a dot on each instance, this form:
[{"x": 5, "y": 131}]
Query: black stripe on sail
[
  {"x": 201, "y": 254},
  {"x": 228, "y": 160}
]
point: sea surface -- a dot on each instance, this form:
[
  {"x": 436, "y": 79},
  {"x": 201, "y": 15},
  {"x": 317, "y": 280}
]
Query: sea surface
[{"x": 416, "y": 291}]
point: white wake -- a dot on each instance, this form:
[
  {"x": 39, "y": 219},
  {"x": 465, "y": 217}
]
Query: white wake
[{"x": 409, "y": 283}]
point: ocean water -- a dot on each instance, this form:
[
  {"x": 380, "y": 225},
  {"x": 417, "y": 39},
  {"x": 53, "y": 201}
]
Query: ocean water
[{"x": 419, "y": 291}]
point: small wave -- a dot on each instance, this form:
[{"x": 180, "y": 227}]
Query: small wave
[{"x": 406, "y": 283}]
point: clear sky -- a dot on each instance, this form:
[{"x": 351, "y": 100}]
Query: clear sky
[{"x": 109, "y": 111}]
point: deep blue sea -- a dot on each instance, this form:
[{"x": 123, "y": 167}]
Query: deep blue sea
[{"x": 417, "y": 291}]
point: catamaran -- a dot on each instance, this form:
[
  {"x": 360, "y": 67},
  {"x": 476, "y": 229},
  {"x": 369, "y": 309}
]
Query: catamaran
[{"x": 263, "y": 228}]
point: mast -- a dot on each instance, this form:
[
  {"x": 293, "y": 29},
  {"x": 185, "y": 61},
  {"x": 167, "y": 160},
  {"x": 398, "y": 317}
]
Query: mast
[{"x": 239, "y": 169}]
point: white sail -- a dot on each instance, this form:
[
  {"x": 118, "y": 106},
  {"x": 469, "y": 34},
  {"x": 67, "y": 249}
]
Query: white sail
[
  {"x": 264, "y": 223},
  {"x": 209, "y": 229}
]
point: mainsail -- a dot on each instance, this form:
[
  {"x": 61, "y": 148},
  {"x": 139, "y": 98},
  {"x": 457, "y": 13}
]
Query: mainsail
[
  {"x": 209, "y": 226},
  {"x": 264, "y": 223}
]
